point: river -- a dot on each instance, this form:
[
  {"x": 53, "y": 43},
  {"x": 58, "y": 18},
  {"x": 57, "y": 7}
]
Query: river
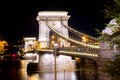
[{"x": 18, "y": 71}]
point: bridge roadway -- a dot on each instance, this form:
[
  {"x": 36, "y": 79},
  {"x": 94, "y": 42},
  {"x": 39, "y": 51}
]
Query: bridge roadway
[{"x": 74, "y": 52}]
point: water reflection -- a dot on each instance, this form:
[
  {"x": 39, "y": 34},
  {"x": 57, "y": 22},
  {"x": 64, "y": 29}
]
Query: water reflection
[
  {"x": 50, "y": 76},
  {"x": 17, "y": 71}
]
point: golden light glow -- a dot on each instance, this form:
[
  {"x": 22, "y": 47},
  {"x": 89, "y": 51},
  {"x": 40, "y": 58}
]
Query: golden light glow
[
  {"x": 2, "y": 45},
  {"x": 53, "y": 37},
  {"x": 52, "y": 42},
  {"x": 77, "y": 59},
  {"x": 97, "y": 43},
  {"x": 84, "y": 39}
]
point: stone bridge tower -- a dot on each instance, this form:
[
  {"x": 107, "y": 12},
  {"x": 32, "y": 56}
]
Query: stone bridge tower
[{"x": 53, "y": 18}]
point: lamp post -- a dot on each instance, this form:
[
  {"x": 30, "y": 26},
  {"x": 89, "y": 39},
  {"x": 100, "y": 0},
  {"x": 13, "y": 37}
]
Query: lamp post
[
  {"x": 55, "y": 51},
  {"x": 55, "y": 76}
]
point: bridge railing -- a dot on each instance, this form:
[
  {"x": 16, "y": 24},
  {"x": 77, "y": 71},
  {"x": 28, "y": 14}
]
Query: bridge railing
[{"x": 80, "y": 49}]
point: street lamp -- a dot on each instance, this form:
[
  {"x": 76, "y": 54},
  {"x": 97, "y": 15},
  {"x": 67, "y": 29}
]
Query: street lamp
[{"x": 55, "y": 52}]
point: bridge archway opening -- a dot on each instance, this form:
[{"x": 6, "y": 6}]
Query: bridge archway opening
[
  {"x": 85, "y": 61},
  {"x": 86, "y": 66}
]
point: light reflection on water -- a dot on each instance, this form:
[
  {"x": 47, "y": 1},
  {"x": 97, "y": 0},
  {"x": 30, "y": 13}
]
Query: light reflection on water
[
  {"x": 79, "y": 74},
  {"x": 20, "y": 73},
  {"x": 50, "y": 76}
]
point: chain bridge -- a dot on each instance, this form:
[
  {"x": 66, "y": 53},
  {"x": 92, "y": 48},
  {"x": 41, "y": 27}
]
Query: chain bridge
[
  {"x": 56, "y": 38},
  {"x": 68, "y": 47},
  {"x": 54, "y": 29}
]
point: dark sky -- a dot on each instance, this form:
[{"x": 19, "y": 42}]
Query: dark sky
[{"x": 18, "y": 17}]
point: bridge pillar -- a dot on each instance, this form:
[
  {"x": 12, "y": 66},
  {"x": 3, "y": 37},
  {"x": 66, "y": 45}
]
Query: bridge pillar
[
  {"x": 105, "y": 54},
  {"x": 53, "y": 18},
  {"x": 29, "y": 43}
]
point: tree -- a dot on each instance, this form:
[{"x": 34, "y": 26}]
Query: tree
[
  {"x": 111, "y": 37},
  {"x": 111, "y": 33},
  {"x": 3, "y": 45},
  {"x": 112, "y": 9}
]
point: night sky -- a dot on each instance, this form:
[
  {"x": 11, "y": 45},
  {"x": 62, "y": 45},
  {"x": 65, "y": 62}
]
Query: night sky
[{"x": 18, "y": 17}]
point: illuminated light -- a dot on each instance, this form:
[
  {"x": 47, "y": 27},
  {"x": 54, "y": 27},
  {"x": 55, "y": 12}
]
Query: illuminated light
[
  {"x": 84, "y": 39},
  {"x": 85, "y": 54},
  {"x": 52, "y": 42},
  {"x": 97, "y": 43},
  {"x": 29, "y": 38},
  {"x": 14, "y": 55},
  {"x": 3, "y": 44},
  {"x": 62, "y": 40},
  {"x": 68, "y": 52},
  {"x": 53, "y": 37},
  {"x": 38, "y": 45},
  {"x": 33, "y": 77},
  {"x": 77, "y": 59},
  {"x": 52, "y": 13}
]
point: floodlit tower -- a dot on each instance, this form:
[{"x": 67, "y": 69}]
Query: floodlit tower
[
  {"x": 29, "y": 43},
  {"x": 53, "y": 18}
]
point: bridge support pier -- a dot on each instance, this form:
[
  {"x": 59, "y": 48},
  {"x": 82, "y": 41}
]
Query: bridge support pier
[
  {"x": 101, "y": 74},
  {"x": 104, "y": 55}
]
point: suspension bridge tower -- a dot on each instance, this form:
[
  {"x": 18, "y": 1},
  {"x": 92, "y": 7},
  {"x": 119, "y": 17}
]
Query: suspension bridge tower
[{"x": 53, "y": 18}]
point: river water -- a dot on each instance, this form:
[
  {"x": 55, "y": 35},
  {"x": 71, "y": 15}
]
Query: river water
[{"x": 18, "y": 71}]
